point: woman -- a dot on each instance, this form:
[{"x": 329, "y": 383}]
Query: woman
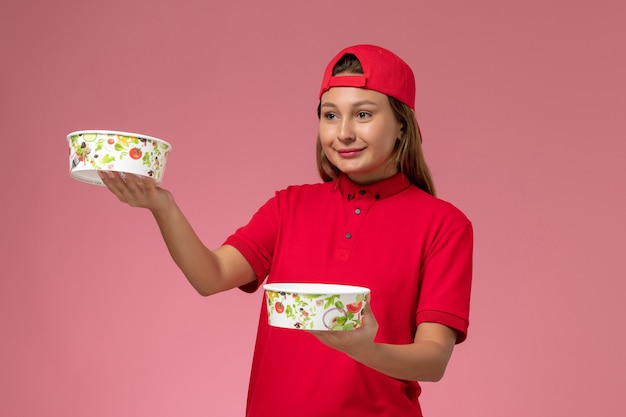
[{"x": 373, "y": 222}]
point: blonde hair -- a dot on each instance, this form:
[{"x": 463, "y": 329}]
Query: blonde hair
[{"x": 408, "y": 154}]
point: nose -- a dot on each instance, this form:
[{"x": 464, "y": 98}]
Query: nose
[{"x": 345, "y": 133}]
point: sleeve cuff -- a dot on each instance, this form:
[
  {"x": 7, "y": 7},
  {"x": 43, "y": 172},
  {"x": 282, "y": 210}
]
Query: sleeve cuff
[{"x": 454, "y": 322}]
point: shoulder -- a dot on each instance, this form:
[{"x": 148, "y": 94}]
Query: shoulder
[
  {"x": 301, "y": 196},
  {"x": 435, "y": 207},
  {"x": 305, "y": 190},
  {"x": 308, "y": 187}
]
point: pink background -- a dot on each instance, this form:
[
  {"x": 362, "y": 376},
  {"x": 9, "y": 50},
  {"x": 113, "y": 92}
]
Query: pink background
[{"x": 523, "y": 111}]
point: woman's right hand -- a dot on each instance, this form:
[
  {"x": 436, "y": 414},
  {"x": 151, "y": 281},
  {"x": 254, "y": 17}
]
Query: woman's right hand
[{"x": 137, "y": 190}]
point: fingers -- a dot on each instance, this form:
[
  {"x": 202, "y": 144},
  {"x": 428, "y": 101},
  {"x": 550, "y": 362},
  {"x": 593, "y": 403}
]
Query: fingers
[
  {"x": 367, "y": 309},
  {"x": 112, "y": 181},
  {"x": 132, "y": 189},
  {"x": 368, "y": 315}
]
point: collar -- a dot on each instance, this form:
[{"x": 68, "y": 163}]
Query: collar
[{"x": 378, "y": 190}]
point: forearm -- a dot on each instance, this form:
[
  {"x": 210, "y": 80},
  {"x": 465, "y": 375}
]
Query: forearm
[
  {"x": 199, "y": 264},
  {"x": 423, "y": 360},
  {"x": 419, "y": 361}
]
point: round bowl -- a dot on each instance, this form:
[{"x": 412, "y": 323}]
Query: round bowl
[
  {"x": 315, "y": 306},
  {"x": 109, "y": 150}
]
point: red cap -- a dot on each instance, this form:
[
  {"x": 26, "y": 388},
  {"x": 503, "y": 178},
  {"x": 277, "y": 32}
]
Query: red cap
[{"x": 383, "y": 71}]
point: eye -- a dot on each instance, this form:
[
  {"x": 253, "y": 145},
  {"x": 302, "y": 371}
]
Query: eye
[
  {"x": 363, "y": 115},
  {"x": 329, "y": 116}
]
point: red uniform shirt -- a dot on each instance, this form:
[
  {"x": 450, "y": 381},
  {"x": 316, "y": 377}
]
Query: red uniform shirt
[{"x": 412, "y": 250}]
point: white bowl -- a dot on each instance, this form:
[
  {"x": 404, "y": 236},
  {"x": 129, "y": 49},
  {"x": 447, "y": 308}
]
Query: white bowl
[
  {"x": 310, "y": 306},
  {"x": 109, "y": 150}
]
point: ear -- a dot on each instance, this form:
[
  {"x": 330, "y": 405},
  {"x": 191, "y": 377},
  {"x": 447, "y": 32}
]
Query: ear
[{"x": 401, "y": 132}]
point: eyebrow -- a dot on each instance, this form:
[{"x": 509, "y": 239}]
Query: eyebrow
[{"x": 357, "y": 104}]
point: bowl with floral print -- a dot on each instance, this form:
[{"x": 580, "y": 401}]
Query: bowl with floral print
[
  {"x": 312, "y": 306},
  {"x": 109, "y": 150}
]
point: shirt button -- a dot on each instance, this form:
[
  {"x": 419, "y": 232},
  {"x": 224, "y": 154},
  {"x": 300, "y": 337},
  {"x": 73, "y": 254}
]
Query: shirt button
[
  {"x": 348, "y": 235},
  {"x": 362, "y": 192},
  {"x": 357, "y": 211}
]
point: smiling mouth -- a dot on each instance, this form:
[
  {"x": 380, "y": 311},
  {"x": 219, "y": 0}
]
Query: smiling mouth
[{"x": 349, "y": 153}]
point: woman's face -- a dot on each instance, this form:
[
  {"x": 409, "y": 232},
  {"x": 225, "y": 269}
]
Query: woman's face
[{"x": 358, "y": 132}]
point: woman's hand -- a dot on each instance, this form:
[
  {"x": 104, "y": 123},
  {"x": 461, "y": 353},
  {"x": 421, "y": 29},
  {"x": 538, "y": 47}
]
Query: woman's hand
[
  {"x": 352, "y": 342},
  {"x": 137, "y": 190}
]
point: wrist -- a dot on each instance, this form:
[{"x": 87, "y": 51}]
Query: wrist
[
  {"x": 165, "y": 208},
  {"x": 366, "y": 354}
]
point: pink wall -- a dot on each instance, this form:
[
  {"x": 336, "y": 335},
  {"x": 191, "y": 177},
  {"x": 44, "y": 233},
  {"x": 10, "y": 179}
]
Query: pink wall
[{"x": 522, "y": 105}]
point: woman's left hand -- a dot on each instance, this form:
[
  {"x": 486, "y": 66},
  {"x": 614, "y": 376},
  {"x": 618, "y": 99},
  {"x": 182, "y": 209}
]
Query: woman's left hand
[{"x": 352, "y": 342}]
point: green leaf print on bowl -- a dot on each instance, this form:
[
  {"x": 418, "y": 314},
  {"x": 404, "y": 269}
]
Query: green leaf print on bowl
[
  {"x": 315, "y": 311},
  {"x": 91, "y": 151}
]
